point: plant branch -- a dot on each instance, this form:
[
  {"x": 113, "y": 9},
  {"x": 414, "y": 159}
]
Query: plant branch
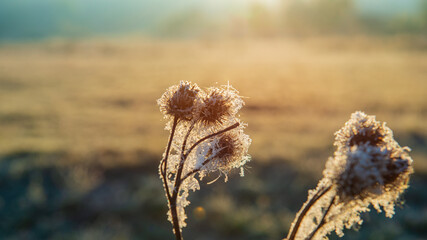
[
  {"x": 178, "y": 180},
  {"x": 164, "y": 162},
  {"x": 197, "y": 143},
  {"x": 186, "y": 136},
  {"x": 322, "y": 221},
  {"x": 182, "y": 161},
  {"x": 294, "y": 229},
  {"x": 196, "y": 169},
  {"x": 211, "y": 135},
  {"x": 172, "y": 204},
  {"x": 183, "y": 156}
]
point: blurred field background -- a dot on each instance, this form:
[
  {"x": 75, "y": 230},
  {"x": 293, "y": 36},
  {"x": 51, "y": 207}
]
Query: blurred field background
[{"x": 81, "y": 135}]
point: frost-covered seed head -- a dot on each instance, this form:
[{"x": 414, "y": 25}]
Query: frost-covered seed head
[
  {"x": 369, "y": 168},
  {"x": 371, "y": 171},
  {"x": 225, "y": 152},
  {"x": 227, "y": 147},
  {"x": 361, "y": 129},
  {"x": 372, "y": 136},
  {"x": 368, "y": 162},
  {"x": 233, "y": 150},
  {"x": 180, "y": 101},
  {"x": 365, "y": 175},
  {"x": 218, "y": 105}
]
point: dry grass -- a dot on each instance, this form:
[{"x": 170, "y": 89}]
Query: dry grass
[{"x": 82, "y": 96}]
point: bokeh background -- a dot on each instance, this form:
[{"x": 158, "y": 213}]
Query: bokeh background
[{"x": 81, "y": 135}]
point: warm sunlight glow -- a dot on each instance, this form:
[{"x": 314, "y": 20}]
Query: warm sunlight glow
[{"x": 90, "y": 92}]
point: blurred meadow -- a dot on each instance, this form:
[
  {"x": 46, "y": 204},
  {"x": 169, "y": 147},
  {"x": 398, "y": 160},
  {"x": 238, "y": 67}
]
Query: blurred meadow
[{"x": 81, "y": 135}]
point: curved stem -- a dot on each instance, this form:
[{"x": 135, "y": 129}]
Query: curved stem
[
  {"x": 174, "y": 212},
  {"x": 186, "y": 137},
  {"x": 195, "y": 145},
  {"x": 322, "y": 221},
  {"x": 294, "y": 229},
  {"x": 196, "y": 169},
  {"x": 211, "y": 135},
  {"x": 182, "y": 162},
  {"x": 175, "y": 221},
  {"x": 164, "y": 162},
  {"x": 163, "y": 169},
  {"x": 178, "y": 180},
  {"x": 183, "y": 156}
]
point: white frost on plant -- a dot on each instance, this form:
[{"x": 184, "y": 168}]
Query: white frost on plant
[
  {"x": 368, "y": 168},
  {"x": 199, "y": 114}
]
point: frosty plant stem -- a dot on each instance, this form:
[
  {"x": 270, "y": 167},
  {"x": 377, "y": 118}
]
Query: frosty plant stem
[
  {"x": 179, "y": 179},
  {"x": 305, "y": 209},
  {"x": 322, "y": 221},
  {"x": 164, "y": 162},
  {"x": 197, "y": 119}
]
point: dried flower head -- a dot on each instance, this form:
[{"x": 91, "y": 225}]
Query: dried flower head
[
  {"x": 368, "y": 168},
  {"x": 224, "y": 152},
  {"x": 218, "y": 105},
  {"x": 227, "y": 147},
  {"x": 180, "y": 101},
  {"x": 231, "y": 150},
  {"x": 368, "y": 161},
  {"x": 361, "y": 129},
  {"x": 370, "y": 171},
  {"x": 371, "y": 176}
]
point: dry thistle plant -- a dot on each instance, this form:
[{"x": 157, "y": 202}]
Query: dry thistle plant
[
  {"x": 368, "y": 168},
  {"x": 205, "y": 136}
]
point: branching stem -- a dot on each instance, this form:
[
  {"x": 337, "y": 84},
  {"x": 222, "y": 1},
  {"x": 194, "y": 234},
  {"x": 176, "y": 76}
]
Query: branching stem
[
  {"x": 163, "y": 171},
  {"x": 322, "y": 221},
  {"x": 209, "y": 136},
  {"x": 179, "y": 180},
  {"x": 196, "y": 169},
  {"x": 294, "y": 229},
  {"x": 164, "y": 162}
]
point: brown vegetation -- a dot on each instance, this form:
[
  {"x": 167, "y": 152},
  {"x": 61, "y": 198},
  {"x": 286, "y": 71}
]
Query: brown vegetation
[{"x": 82, "y": 96}]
